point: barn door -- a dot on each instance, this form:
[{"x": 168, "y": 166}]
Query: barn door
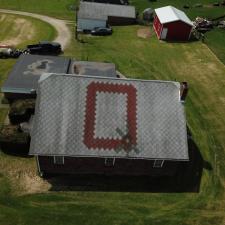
[{"x": 164, "y": 33}]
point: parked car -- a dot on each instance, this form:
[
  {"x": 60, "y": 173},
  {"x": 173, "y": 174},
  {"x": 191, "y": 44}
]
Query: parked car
[
  {"x": 9, "y": 53},
  {"x": 45, "y": 48},
  {"x": 102, "y": 31}
]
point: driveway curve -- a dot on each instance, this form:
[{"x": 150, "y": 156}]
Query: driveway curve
[{"x": 63, "y": 32}]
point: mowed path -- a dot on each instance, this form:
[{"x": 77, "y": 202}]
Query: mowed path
[{"x": 63, "y": 32}]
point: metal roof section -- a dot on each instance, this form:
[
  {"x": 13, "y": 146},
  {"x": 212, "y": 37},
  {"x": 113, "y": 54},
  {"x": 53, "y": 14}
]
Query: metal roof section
[
  {"x": 84, "y": 116},
  {"x": 26, "y": 72},
  {"x": 101, "y": 11},
  {"x": 169, "y": 14},
  {"x": 93, "y": 68}
]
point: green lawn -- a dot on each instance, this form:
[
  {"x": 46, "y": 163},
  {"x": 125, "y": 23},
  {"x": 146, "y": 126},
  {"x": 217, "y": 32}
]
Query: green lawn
[
  {"x": 56, "y": 8},
  {"x": 205, "y": 109},
  {"x": 193, "y": 12},
  {"x": 216, "y": 42}
]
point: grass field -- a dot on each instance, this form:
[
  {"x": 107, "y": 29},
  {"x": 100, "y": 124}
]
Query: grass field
[
  {"x": 64, "y": 9},
  {"x": 205, "y": 109},
  {"x": 193, "y": 12},
  {"x": 215, "y": 40},
  {"x": 57, "y": 8}
]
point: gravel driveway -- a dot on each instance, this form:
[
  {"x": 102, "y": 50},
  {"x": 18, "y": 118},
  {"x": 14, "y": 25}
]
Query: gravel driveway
[{"x": 63, "y": 33}]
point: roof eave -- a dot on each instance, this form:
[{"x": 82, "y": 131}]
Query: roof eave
[{"x": 190, "y": 24}]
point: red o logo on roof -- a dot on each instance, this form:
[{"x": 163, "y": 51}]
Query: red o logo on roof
[{"x": 110, "y": 116}]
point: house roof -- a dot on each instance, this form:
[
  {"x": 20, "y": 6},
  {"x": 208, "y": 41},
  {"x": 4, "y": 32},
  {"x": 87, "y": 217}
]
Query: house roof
[
  {"x": 169, "y": 14},
  {"x": 84, "y": 116},
  {"x": 25, "y": 74},
  {"x": 101, "y": 11},
  {"x": 93, "y": 68}
]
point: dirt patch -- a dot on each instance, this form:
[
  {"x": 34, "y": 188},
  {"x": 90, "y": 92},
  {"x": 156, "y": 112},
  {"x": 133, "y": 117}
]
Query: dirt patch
[
  {"x": 2, "y": 17},
  {"x": 23, "y": 30},
  {"x": 222, "y": 100},
  {"x": 32, "y": 184},
  {"x": 27, "y": 182},
  {"x": 23, "y": 176},
  {"x": 144, "y": 33},
  {"x": 208, "y": 6}
]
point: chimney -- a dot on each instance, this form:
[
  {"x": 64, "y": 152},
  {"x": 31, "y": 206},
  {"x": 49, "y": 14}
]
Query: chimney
[{"x": 183, "y": 91}]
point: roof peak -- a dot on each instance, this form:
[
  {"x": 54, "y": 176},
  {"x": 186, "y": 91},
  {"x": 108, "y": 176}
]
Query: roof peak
[{"x": 170, "y": 13}]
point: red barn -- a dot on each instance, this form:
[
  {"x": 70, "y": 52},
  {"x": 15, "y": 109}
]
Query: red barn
[
  {"x": 99, "y": 125},
  {"x": 172, "y": 24}
]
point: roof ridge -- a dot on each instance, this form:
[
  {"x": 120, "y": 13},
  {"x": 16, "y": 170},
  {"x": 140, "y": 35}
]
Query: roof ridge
[{"x": 174, "y": 11}]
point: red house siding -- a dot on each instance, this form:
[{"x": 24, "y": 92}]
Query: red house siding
[
  {"x": 178, "y": 31},
  {"x": 79, "y": 165},
  {"x": 157, "y": 26}
]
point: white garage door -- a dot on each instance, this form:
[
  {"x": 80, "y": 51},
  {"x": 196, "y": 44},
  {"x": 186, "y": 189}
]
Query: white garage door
[
  {"x": 164, "y": 33},
  {"x": 89, "y": 24}
]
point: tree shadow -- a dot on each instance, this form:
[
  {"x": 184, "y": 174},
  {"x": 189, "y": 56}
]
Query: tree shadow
[
  {"x": 186, "y": 179},
  {"x": 14, "y": 142},
  {"x": 16, "y": 149},
  {"x": 192, "y": 39}
]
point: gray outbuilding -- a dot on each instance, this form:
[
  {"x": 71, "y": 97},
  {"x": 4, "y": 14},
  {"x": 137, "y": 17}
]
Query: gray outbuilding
[
  {"x": 92, "y": 14},
  {"x": 23, "y": 79}
]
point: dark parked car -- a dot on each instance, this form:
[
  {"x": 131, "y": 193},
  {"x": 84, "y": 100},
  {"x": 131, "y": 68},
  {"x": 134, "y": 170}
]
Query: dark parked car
[
  {"x": 102, "y": 31},
  {"x": 45, "y": 48}
]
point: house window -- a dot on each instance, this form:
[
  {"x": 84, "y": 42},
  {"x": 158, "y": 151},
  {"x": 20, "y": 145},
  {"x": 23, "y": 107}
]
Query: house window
[
  {"x": 158, "y": 163},
  {"x": 59, "y": 160},
  {"x": 110, "y": 162}
]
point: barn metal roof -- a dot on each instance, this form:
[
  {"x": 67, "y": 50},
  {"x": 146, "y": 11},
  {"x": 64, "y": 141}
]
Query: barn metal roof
[
  {"x": 84, "y": 116},
  {"x": 93, "y": 68},
  {"x": 101, "y": 11},
  {"x": 169, "y": 14},
  {"x": 26, "y": 72}
]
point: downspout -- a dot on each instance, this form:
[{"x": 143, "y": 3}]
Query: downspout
[{"x": 40, "y": 173}]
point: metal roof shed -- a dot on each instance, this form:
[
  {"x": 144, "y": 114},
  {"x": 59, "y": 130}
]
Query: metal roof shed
[
  {"x": 171, "y": 23},
  {"x": 92, "y": 14},
  {"x": 23, "y": 78},
  {"x": 88, "y": 120}
]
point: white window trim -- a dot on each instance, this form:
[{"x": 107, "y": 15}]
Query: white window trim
[
  {"x": 158, "y": 166},
  {"x": 113, "y": 161},
  {"x": 54, "y": 157}
]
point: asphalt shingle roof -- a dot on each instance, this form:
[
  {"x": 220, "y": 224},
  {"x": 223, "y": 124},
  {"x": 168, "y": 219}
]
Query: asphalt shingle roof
[
  {"x": 28, "y": 69},
  {"x": 85, "y": 116}
]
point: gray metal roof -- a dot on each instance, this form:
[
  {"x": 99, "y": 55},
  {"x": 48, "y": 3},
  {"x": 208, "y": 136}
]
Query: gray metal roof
[
  {"x": 85, "y": 116},
  {"x": 26, "y": 72},
  {"x": 93, "y": 68},
  {"x": 101, "y": 11}
]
